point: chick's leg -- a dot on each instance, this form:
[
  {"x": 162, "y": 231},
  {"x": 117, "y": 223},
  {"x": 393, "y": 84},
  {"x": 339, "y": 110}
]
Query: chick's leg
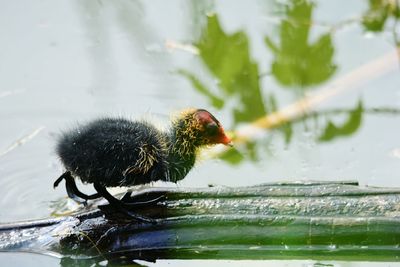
[
  {"x": 72, "y": 190},
  {"x": 119, "y": 205}
]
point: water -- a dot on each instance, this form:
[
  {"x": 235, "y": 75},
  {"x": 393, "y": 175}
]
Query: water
[{"x": 69, "y": 61}]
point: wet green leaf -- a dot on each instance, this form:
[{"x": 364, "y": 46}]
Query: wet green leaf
[{"x": 348, "y": 128}]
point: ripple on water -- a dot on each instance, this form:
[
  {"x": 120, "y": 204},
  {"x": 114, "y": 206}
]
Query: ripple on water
[{"x": 25, "y": 186}]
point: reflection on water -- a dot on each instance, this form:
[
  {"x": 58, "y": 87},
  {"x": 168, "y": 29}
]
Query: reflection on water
[
  {"x": 378, "y": 13},
  {"x": 348, "y": 128},
  {"x": 299, "y": 63},
  {"x": 227, "y": 57},
  {"x": 90, "y": 58}
]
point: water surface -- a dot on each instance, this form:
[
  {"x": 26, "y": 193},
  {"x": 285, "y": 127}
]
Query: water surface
[{"x": 65, "y": 62}]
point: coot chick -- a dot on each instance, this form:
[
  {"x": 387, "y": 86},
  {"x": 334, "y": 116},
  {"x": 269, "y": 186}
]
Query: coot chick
[{"x": 112, "y": 152}]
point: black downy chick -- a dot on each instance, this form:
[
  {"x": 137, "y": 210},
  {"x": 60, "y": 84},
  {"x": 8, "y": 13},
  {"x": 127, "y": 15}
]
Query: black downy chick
[{"x": 112, "y": 152}]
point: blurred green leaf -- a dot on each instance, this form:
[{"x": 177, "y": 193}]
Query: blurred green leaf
[
  {"x": 227, "y": 56},
  {"x": 232, "y": 156},
  {"x": 375, "y": 18},
  {"x": 348, "y": 128},
  {"x": 285, "y": 128},
  {"x": 202, "y": 89},
  {"x": 379, "y": 11},
  {"x": 287, "y": 131},
  {"x": 223, "y": 54},
  {"x": 252, "y": 151},
  {"x": 297, "y": 63}
]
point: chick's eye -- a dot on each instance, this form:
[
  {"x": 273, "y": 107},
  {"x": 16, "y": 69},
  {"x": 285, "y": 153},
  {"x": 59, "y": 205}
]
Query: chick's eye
[{"x": 211, "y": 129}]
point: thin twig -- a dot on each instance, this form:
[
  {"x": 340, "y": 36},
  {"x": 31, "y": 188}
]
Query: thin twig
[
  {"x": 22, "y": 141},
  {"x": 174, "y": 45},
  {"x": 8, "y": 93},
  {"x": 350, "y": 81}
]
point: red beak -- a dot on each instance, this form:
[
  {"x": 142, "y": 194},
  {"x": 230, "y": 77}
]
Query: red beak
[{"x": 224, "y": 139}]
